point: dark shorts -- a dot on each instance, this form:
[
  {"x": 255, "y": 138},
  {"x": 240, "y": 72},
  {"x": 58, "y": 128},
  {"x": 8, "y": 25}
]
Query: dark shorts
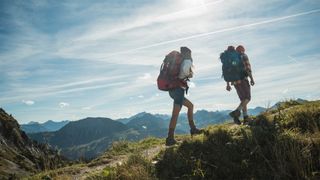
[
  {"x": 243, "y": 90},
  {"x": 177, "y": 95}
]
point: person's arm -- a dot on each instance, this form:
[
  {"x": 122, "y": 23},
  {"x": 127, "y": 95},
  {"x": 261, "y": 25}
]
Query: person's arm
[
  {"x": 247, "y": 66},
  {"x": 251, "y": 79},
  {"x": 186, "y": 70},
  {"x": 190, "y": 71},
  {"x": 228, "y": 88}
]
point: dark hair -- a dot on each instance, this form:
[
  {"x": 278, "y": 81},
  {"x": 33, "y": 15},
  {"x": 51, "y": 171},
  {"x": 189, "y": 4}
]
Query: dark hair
[{"x": 184, "y": 50}]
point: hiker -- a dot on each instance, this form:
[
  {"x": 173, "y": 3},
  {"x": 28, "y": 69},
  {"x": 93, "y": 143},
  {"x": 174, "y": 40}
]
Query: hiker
[
  {"x": 178, "y": 91},
  {"x": 241, "y": 83}
]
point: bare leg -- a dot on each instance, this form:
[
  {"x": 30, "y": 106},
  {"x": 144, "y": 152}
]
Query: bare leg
[
  {"x": 244, "y": 104},
  {"x": 173, "y": 121},
  {"x": 240, "y": 106},
  {"x": 189, "y": 105}
]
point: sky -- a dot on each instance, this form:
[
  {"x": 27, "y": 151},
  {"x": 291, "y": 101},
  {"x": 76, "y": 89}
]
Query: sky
[{"x": 67, "y": 60}]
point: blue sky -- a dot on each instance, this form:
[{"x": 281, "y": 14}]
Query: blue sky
[{"x": 74, "y": 59}]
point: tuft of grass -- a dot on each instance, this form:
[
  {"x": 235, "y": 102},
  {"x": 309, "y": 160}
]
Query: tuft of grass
[
  {"x": 305, "y": 119},
  {"x": 137, "y": 167},
  {"x": 59, "y": 174},
  {"x": 126, "y": 148}
]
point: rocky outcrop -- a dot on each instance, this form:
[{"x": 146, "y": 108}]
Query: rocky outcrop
[{"x": 19, "y": 155}]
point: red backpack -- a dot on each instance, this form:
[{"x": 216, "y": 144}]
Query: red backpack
[{"x": 169, "y": 72}]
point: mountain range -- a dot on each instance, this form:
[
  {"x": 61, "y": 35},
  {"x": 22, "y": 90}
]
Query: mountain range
[
  {"x": 87, "y": 138},
  {"x": 48, "y": 126}
]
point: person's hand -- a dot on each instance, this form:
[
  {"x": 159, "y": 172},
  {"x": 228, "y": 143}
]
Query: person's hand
[
  {"x": 252, "y": 82},
  {"x": 228, "y": 87}
]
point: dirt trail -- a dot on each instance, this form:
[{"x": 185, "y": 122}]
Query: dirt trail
[{"x": 117, "y": 160}]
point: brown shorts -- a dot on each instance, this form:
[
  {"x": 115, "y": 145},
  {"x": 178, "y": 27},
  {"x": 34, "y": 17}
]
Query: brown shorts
[{"x": 243, "y": 90}]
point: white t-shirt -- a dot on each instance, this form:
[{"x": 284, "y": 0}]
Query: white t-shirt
[{"x": 185, "y": 70}]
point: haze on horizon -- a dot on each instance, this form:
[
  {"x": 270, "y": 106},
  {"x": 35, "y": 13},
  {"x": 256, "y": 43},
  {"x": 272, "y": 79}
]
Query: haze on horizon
[{"x": 74, "y": 59}]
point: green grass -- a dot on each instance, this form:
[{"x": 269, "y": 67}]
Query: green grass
[
  {"x": 282, "y": 144},
  {"x": 64, "y": 173},
  {"x": 304, "y": 118},
  {"x": 136, "y": 167},
  {"x": 119, "y": 148}
]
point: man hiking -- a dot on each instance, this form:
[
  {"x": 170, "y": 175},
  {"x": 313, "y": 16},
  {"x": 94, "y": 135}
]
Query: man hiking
[
  {"x": 240, "y": 82},
  {"x": 177, "y": 94}
]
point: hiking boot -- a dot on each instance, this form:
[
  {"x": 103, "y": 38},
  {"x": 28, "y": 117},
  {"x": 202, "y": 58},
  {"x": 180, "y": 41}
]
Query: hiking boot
[
  {"x": 236, "y": 121},
  {"x": 246, "y": 119},
  {"x": 235, "y": 115},
  {"x": 170, "y": 141},
  {"x": 195, "y": 131}
]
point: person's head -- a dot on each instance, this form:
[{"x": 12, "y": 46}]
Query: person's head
[
  {"x": 185, "y": 52},
  {"x": 240, "y": 49}
]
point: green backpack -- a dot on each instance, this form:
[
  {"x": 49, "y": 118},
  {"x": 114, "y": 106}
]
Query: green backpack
[{"x": 232, "y": 65}]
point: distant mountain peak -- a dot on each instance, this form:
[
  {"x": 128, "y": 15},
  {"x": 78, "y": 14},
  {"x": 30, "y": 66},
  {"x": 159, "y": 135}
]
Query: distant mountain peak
[
  {"x": 95, "y": 118},
  {"x": 141, "y": 114},
  {"x": 33, "y": 122},
  {"x": 48, "y": 126}
]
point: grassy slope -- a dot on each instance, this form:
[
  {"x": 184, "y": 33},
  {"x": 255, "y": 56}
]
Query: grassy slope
[
  {"x": 280, "y": 144},
  {"x": 110, "y": 162}
]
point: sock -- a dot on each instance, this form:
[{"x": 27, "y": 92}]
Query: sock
[{"x": 239, "y": 108}]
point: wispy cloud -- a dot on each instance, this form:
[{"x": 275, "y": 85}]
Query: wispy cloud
[
  {"x": 239, "y": 27},
  {"x": 146, "y": 76},
  {"x": 48, "y": 93},
  {"x": 63, "y": 104},
  {"x": 87, "y": 108},
  {"x": 28, "y": 102}
]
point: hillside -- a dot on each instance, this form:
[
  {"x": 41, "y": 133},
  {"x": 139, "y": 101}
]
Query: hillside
[
  {"x": 85, "y": 138},
  {"x": 20, "y": 156},
  {"x": 88, "y": 138},
  {"x": 283, "y": 143}
]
